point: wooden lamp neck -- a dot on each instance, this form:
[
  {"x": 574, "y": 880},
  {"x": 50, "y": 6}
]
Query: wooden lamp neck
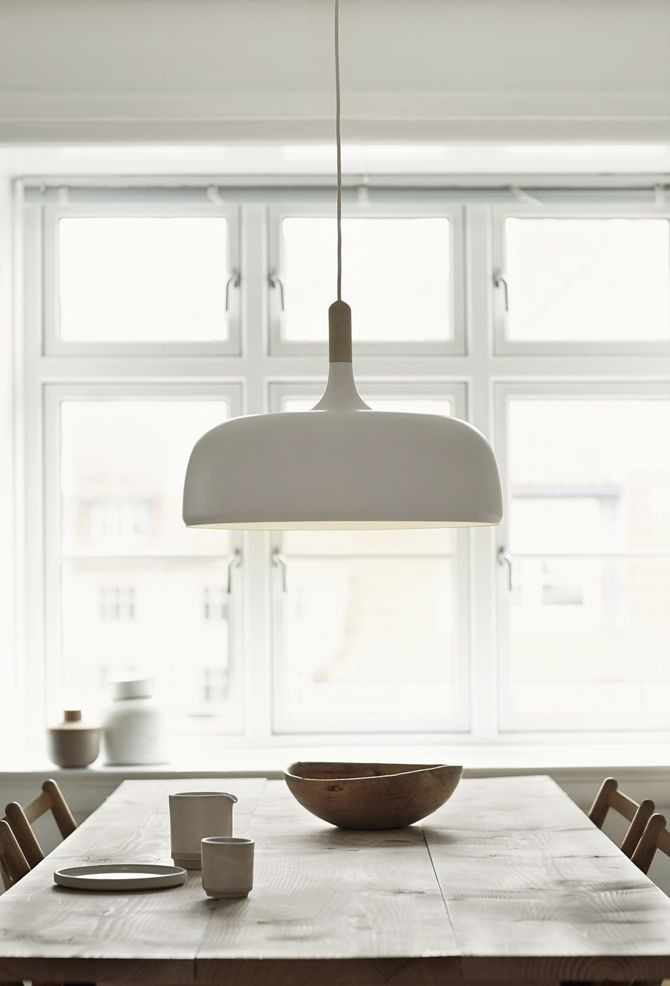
[{"x": 339, "y": 332}]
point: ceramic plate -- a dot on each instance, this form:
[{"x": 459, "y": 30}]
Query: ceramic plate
[{"x": 120, "y": 876}]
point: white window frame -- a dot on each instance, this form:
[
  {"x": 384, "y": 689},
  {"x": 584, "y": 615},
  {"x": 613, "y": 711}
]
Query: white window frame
[
  {"x": 558, "y": 390},
  {"x": 260, "y": 372},
  {"x": 459, "y": 720},
  {"x": 54, "y": 345},
  {"x": 53, "y": 395},
  {"x": 505, "y": 346},
  {"x": 389, "y": 210}
]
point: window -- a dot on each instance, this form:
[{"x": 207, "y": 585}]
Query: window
[
  {"x": 115, "y": 518},
  {"x": 214, "y": 603},
  {"x": 116, "y": 602},
  {"x": 153, "y": 314},
  {"x": 118, "y": 535},
  {"x": 108, "y": 291},
  {"x": 136, "y": 278},
  {"x": 214, "y": 686},
  {"x": 383, "y": 596},
  {"x": 570, "y": 281},
  {"x": 403, "y": 279},
  {"x": 588, "y": 628}
]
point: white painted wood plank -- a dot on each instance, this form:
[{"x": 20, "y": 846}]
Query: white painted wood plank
[
  {"x": 528, "y": 891},
  {"x": 70, "y": 934},
  {"x": 534, "y": 889},
  {"x": 325, "y": 893}
]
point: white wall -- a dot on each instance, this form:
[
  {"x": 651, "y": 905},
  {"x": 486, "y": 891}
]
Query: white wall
[{"x": 208, "y": 69}]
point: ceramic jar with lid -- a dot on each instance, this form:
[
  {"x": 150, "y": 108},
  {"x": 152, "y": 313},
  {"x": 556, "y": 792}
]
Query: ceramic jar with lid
[
  {"x": 73, "y": 743},
  {"x": 134, "y": 725}
]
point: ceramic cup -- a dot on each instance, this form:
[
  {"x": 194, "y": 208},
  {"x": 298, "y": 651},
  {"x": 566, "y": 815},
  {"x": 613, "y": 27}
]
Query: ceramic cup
[
  {"x": 193, "y": 815},
  {"x": 227, "y": 866}
]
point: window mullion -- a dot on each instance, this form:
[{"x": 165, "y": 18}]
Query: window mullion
[
  {"x": 33, "y": 556},
  {"x": 479, "y": 315},
  {"x": 256, "y": 654}
]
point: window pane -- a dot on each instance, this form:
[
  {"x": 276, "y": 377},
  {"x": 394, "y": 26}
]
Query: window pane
[
  {"x": 396, "y": 277},
  {"x": 389, "y": 600},
  {"x": 123, "y": 464},
  {"x": 590, "y": 638},
  {"x": 588, "y": 280},
  {"x": 408, "y": 542},
  {"x": 141, "y": 594},
  {"x": 389, "y": 649},
  {"x": 144, "y": 617},
  {"x": 589, "y": 633},
  {"x": 589, "y": 475},
  {"x": 143, "y": 279}
]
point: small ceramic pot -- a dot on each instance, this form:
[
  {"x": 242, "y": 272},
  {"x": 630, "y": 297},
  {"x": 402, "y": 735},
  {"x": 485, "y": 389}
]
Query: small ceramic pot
[
  {"x": 194, "y": 815},
  {"x": 227, "y": 866},
  {"x": 73, "y": 743}
]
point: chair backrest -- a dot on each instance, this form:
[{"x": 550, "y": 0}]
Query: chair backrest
[
  {"x": 13, "y": 863},
  {"x": 655, "y": 836},
  {"x": 20, "y": 819},
  {"x": 609, "y": 796}
]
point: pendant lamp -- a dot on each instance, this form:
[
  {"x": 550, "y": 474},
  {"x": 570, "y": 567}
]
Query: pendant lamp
[{"x": 342, "y": 466}]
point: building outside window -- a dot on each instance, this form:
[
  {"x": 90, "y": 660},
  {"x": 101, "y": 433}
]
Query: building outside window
[
  {"x": 116, "y": 603},
  {"x": 214, "y": 602},
  {"x": 215, "y": 685},
  {"x": 118, "y": 518}
]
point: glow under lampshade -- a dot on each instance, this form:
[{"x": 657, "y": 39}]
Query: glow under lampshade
[{"x": 342, "y": 466}]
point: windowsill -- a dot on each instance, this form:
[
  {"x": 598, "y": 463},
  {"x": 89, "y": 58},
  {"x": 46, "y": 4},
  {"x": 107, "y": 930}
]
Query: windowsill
[{"x": 558, "y": 759}]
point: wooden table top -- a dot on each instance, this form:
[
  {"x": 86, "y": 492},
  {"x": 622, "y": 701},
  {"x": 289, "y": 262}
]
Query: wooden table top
[{"x": 508, "y": 881}]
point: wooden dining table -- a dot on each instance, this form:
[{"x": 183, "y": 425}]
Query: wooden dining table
[{"x": 507, "y": 882}]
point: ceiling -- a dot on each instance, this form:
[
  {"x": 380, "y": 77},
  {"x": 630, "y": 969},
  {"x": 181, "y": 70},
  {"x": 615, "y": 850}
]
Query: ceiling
[{"x": 202, "y": 70}]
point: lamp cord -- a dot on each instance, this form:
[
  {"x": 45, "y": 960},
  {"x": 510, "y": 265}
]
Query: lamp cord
[{"x": 338, "y": 142}]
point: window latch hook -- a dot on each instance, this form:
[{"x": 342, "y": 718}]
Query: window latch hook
[
  {"x": 234, "y": 561},
  {"x": 505, "y": 559},
  {"x": 276, "y": 282},
  {"x": 280, "y": 561},
  {"x": 234, "y": 281},
  {"x": 500, "y": 281}
]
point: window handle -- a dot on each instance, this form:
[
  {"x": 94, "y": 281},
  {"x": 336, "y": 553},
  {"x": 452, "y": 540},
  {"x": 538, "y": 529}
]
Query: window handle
[
  {"x": 234, "y": 281},
  {"x": 280, "y": 561},
  {"x": 234, "y": 561},
  {"x": 500, "y": 281},
  {"x": 275, "y": 281},
  {"x": 505, "y": 560}
]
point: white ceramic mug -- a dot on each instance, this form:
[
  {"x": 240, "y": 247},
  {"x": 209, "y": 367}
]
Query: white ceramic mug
[
  {"x": 193, "y": 815},
  {"x": 227, "y": 866}
]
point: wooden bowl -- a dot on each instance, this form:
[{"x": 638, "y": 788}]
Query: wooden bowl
[{"x": 371, "y": 795}]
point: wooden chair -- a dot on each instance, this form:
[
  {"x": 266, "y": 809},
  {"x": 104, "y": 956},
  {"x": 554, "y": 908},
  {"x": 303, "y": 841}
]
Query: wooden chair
[
  {"x": 654, "y": 837},
  {"x": 609, "y": 796},
  {"x": 20, "y": 819},
  {"x": 13, "y": 866},
  {"x": 13, "y": 863}
]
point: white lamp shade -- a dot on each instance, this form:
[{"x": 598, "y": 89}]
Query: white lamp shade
[
  {"x": 342, "y": 466},
  {"x": 352, "y": 469}
]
